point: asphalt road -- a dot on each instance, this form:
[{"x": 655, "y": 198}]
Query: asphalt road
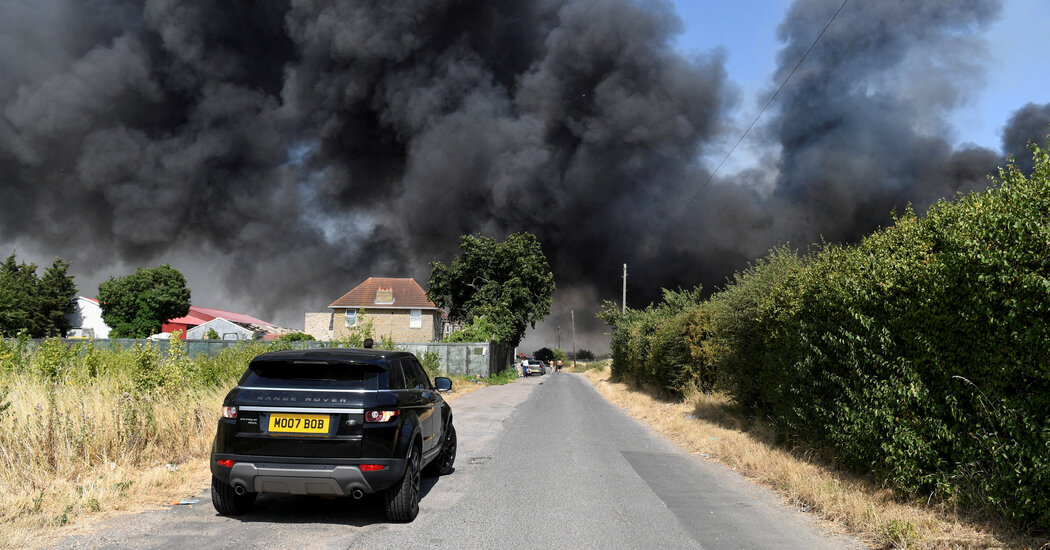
[{"x": 545, "y": 462}]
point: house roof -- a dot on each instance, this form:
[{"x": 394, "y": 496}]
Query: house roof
[
  {"x": 201, "y": 315},
  {"x": 388, "y": 293},
  {"x": 229, "y": 316}
]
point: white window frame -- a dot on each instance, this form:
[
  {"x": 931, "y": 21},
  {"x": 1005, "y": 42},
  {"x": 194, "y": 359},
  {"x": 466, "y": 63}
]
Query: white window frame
[
  {"x": 350, "y": 317},
  {"x": 415, "y": 318}
]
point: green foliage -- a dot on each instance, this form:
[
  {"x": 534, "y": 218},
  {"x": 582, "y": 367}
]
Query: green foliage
[
  {"x": 559, "y": 355},
  {"x": 386, "y": 342},
  {"x": 212, "y": 334},
  {"x": 544, "y": 355},
  {"x": 507, "y": 283},
  {"x": 665, "y": 345},
  {"x": 296, "y": 337},
  {"x": 475, "y": 330},
  {"x": 4, "y": 403},
  {"x": 921, "y": 354},
  {"x": 355, "y": 336},
  {"x": 503, "y": 377},
  {"x": 35, "y": 305},
  {"x": 137, "y": 305},
  {"x": 57, "y": 296},
  {"x": 431, "y": 361},
  {"x": 584, "y": 355}
]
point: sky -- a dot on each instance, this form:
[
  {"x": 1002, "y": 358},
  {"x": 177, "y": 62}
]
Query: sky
[{"x": 1018, "y": 69}]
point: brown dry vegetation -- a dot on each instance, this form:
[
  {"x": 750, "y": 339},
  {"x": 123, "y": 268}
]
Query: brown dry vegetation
[
  {"x": 106, "y": 452},
  {"x": 710, "y": 426}
]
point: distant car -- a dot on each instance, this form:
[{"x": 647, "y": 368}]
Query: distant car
[{"x": 534, "y": 366}]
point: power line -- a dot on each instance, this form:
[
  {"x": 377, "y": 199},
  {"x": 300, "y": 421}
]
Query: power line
[{"x": 768, "y": 103}]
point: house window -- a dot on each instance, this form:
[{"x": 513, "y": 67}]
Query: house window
[
  {"x": 416, "y": 320},
  {"x": 351, "y": 318}
]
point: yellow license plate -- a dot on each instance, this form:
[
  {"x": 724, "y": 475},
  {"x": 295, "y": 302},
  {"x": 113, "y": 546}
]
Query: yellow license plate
[{"x": 299, "y": 423}]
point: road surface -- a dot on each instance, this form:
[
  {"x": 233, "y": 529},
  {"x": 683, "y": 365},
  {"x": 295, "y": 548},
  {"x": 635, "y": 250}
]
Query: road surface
[{"x": 545, "y": 462}]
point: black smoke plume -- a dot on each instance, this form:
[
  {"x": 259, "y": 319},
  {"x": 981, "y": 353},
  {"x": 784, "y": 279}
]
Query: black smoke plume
[{"x": 281, "y": 152}]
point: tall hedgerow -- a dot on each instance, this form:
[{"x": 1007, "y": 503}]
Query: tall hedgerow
[
  {"x": 922, "y": 353},
  {"x": 663, "y": 345}
]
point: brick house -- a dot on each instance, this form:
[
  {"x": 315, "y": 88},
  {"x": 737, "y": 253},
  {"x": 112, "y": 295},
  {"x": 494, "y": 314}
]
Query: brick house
[{"x": 397, "y": 307}]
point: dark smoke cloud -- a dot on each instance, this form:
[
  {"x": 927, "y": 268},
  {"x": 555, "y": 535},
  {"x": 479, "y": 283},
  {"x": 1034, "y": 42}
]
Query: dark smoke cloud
[
  {"x": 1030, "y": 123},
  {"x": 281, "y": 152}
]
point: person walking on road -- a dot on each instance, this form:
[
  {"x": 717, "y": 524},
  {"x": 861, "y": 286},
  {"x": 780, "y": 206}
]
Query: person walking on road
[{"x": 558, "y": 370}]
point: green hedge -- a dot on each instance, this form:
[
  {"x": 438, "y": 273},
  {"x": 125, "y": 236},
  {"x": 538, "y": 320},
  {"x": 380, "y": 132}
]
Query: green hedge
[
  {"x": 921, "y": 354},
  {"x": 665, "y": 345}
]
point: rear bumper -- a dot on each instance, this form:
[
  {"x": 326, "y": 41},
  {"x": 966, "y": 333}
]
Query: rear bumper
[{"x": 297, "y": 476}]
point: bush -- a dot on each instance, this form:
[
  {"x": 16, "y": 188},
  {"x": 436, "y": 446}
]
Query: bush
[
  {"x": 584, "y": 355},
  {"x": 664, "y": 345},
  {"x": 296, "y": 337},
  {"x": 921, "y": 354}
]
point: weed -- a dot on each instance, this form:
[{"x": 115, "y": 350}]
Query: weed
[
  {"x": 503, "y": 377},
  {"x": 122, "y": 487},
  {"x": 898, "y": 533}
]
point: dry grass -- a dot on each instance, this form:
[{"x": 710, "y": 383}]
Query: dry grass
[
  {"x": 83, "y": 453},
  {"x": 709, "y": 426},
  {"x": 103, "y": 452}
]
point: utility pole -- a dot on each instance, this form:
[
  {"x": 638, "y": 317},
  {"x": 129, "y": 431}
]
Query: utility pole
[
  {"x": 623, "y": 303},
  {"x": 573, "y": 314},
  {"x": 559, "y": 336}
]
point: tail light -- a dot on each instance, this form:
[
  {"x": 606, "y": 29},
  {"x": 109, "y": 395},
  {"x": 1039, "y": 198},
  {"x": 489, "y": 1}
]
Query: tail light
[
  {"x": 229, "y": 412},
  {"x": 372, "y": 467},
  {"x": 380, "y": 416},
  {"x": 226, "y": 463}
]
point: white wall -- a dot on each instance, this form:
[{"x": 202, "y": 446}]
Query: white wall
[{"x": 87, "y": 320}]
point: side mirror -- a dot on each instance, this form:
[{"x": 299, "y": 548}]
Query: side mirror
[{"x": 443, "y": 384}]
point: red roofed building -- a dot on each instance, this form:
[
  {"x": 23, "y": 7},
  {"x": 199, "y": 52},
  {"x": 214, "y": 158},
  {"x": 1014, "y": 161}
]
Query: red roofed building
[
  {"x": 199, "y": 315},
  {"x": 397, "y": 308}
]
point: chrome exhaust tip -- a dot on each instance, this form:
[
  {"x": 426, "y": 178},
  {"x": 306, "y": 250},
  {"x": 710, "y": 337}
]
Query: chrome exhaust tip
[
  {"x": 357, "y": 494},
  {"x": 239, "y": 489}
]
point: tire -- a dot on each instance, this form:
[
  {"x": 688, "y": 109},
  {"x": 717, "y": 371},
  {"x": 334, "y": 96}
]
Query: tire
[
  {"x": 402, "y": 500},
  {"x": 227, "y": 502},
  {"x": 442, "y": 464}
]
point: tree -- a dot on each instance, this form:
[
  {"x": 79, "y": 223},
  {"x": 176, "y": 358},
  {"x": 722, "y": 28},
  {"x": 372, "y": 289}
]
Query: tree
[
  {"x": 57, "y": 297},
  {"x": 18, "y": 291},
  {"x": 544, "y": 354},
  {"x": 476, "y": 331},
  {"x": 35, "y": 305},
  {"x": 508, "y": 283},
  {"x": 137, "y": 305},
  {"x": 585, "y": 355}
]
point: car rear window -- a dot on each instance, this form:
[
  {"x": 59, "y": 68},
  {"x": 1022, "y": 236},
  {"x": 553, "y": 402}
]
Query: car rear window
[{"x": 313, "y": 374}]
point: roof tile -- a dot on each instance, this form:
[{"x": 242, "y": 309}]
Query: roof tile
[{"x": 374, "y": 293}]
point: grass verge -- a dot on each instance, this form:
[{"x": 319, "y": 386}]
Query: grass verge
[{"x": 710, "y": 426}]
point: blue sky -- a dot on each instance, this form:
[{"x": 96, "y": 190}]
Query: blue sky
[{"x": 1018, "y": 71}]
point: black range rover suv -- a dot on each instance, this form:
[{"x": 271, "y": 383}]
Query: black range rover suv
[{"x": 345, "y": 422}]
